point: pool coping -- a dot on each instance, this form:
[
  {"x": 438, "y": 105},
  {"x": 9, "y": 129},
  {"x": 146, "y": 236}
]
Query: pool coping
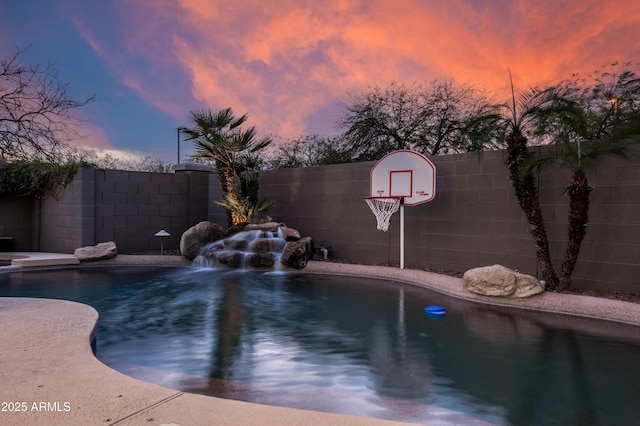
[
  {"x": 560, "y": 303},
  {"x": 46, "y": 359}
]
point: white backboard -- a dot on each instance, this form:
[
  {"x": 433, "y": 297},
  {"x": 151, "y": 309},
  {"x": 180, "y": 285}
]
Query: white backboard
[{"x": 406, "y": 174}]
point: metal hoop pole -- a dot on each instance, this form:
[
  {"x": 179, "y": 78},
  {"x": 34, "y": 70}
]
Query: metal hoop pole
[{"x": 402, "y": 233}]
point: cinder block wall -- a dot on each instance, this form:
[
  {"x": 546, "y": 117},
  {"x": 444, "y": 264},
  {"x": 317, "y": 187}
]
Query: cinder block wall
[
  {"x": 17, "y": 215},
  {"x": 125, "y": 207},
  {"x": 132, "y": 206},
  {"x": 471, "y": 222},
  {"x": 474, "y": 219},
  {"x": 68, "y": 222},
  {"x": 216, "y": 214}
]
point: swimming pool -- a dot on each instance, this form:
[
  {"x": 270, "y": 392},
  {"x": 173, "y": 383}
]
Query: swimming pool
[{"x": 348, "y": 345}]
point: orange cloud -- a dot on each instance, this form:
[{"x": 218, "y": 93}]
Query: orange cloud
[{"x": 282, "y": 62}]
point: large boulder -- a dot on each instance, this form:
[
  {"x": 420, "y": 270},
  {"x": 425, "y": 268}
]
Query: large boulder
[
  {"x": 261, "y": 260},
  {"x": 527, "y": 285},
  {"x": 499, "y": 281},
  {"x": 265, "y": 227},
  {"x": 296, "y": 254},
  {"x": 232, "y": 259},
  {"x": 100, "y": 251},
  {"x": 268, "y": 245},
  {"x": 290, "y": 234},
  {"x": 194, "y": 238}
]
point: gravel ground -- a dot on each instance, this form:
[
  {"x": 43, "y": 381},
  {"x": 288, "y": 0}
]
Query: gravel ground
[{"x": 616, "y": 295}]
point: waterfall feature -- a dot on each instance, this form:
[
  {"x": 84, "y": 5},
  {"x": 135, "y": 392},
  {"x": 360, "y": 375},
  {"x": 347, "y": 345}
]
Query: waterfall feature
[{"x": 255, "y": 249}]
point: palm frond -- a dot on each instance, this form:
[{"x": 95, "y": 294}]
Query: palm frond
[
  {"x": 537, "y": 162},
  {"x": 262, "y": 205},
  {"x": 243, "y": 206}
]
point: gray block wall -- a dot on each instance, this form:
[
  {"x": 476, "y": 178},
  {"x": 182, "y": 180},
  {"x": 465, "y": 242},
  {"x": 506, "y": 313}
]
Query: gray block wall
[
  {"x": 68, "y": 222},
  {"x": 125, "y": 207},
  {"x": 17, "y": 217},
  {"x": 215, "y": 213},
  {"x": 473, "y": 221}
]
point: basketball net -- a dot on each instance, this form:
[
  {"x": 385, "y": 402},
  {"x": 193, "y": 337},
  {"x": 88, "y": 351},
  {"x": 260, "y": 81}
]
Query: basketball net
[{"x": 383, "y": 209}]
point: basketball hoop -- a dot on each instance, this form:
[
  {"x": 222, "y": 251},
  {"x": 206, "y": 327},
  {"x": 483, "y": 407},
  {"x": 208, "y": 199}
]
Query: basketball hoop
[
  {"x": 383, "y": 208},
  {"x": 400, "y": 179}
]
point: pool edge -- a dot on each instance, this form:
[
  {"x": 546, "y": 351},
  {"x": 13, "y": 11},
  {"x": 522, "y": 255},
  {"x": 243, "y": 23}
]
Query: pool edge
[
  {"x": 50, "y": 376},
  {"x": 46, "y": 358},
  {"x": 560, "y": 303}
]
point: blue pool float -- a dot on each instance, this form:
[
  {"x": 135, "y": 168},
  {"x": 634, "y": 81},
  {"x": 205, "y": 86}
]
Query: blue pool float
[{"x": 435, "y": 310}]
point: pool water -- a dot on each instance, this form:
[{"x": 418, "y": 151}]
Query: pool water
[{"x": 351, "y": 345}]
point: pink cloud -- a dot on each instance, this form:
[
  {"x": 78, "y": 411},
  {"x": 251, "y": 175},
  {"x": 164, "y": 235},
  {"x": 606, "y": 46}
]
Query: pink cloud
[
  {"x": 92, "y": 136},
  {"x": 285, "y": 61}
]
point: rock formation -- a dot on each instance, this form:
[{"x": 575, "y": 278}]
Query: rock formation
[
  {"x": 500, "y": 281},
  {"x": 100, "y": 251},
  {"x": 194, "y": 238},
  {"x": 297, "y": 253},
  {"x": 265, "y": 245}
]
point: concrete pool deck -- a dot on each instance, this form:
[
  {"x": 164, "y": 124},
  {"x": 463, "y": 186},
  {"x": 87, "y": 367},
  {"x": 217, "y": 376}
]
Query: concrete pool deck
[{"x": 50, "y": 376}]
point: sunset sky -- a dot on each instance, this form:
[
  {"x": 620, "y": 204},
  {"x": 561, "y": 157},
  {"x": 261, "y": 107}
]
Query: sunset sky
[{"x": 291, "y": 64}]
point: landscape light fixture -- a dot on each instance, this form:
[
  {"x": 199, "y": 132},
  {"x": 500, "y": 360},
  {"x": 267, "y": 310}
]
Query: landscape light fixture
[{"x": 162, "y": 234}]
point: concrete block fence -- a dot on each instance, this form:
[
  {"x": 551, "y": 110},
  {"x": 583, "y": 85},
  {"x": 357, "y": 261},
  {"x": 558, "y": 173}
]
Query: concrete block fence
[
  {"x": 473, "y": 221},
  {"x": 109, "y": 205}
]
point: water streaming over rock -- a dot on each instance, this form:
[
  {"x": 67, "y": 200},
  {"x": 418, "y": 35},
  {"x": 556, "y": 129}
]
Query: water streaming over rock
[{"x": 255, "y": 249}]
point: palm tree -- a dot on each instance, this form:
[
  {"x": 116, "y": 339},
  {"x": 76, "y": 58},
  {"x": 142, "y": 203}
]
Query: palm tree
[
  {"x": 584, "y": 123},
  {"x": 218, "y": 137},
  {"x": 511, "y": 123},
  {"x": 522, "y": 114},
  {"x": 243, "y": 208},
  {"x": 244, "y": 201},
  {"x": 578, "y": 145}
]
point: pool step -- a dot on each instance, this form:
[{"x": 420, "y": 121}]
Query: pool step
[{"x": 28, "y": 259}]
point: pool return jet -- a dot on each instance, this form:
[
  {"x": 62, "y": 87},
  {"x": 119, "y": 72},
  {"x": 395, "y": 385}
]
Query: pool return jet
[{"x": 400, "y": 178}]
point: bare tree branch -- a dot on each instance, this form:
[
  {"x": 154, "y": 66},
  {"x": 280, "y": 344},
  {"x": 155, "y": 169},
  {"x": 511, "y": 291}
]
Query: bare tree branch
[
  {"x": 37, "y": 113},
  {"x": 425, "y": 118}
]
